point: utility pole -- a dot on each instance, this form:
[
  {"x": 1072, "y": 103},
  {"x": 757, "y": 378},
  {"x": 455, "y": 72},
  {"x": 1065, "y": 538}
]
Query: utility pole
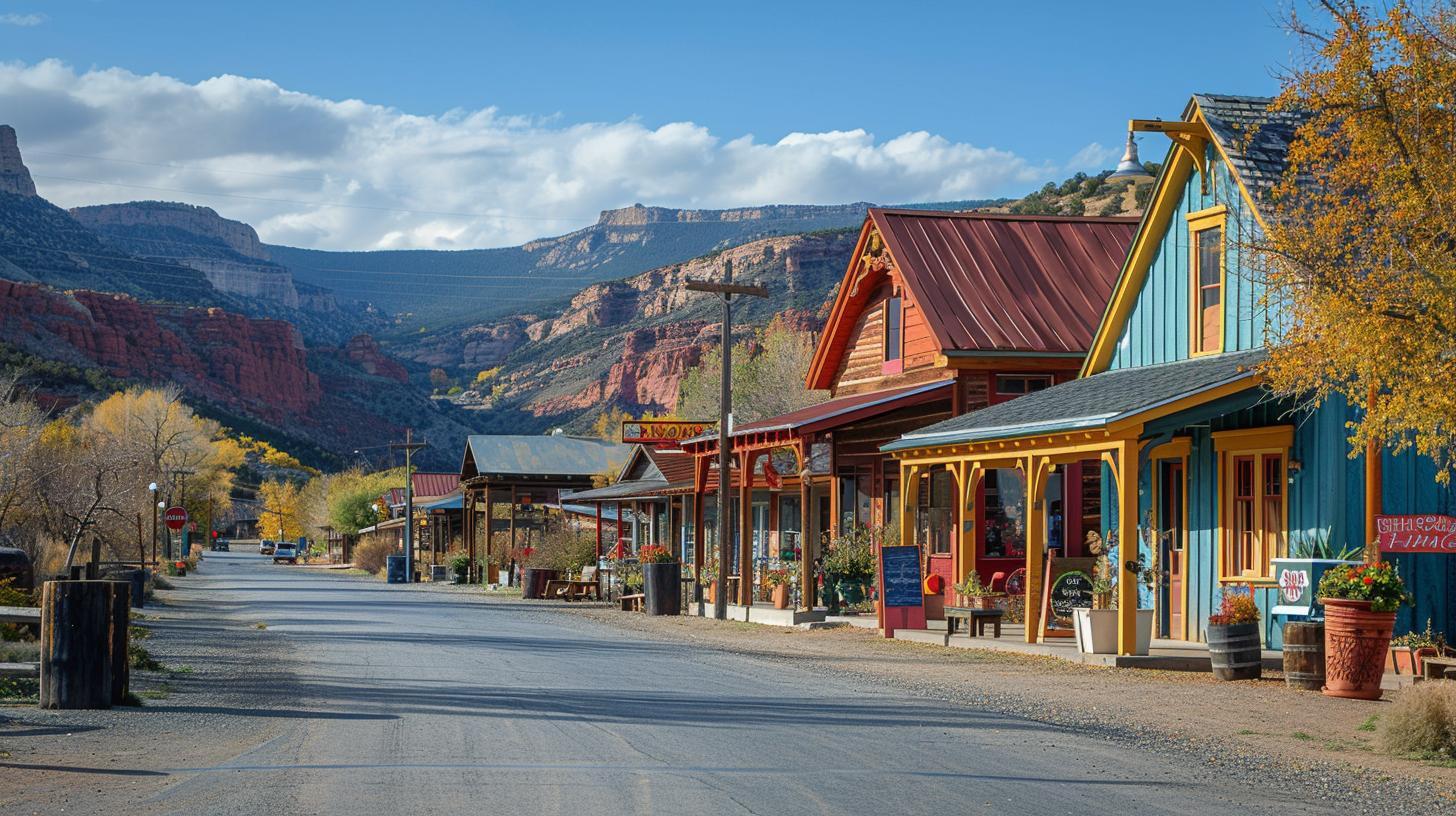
[
  {"x": 726, "y": 290},
  {"x": 409, "y": 446}
]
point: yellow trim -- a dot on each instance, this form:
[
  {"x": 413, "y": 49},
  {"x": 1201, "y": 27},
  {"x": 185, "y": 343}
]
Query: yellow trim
[
  {"x": 1178, "y": 450},
  {"x": 1257, "y": 443},
  {"x": 1212, "y": 218},
  {"x": 1170, "y": 184},
  {"x": 1255, "y": 440}
]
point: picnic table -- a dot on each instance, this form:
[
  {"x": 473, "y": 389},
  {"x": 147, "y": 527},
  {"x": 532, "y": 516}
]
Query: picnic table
[{"x": 976, "y": 621}]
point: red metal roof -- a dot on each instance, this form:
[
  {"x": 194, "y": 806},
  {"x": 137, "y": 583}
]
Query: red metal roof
[
  {"x": 994, "y": 282},
  {"x": 676, "y": 464},
  {"x": 434, "y": 485}
]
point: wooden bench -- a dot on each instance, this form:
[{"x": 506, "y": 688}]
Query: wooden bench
[
  {"x": 632, "y": 603},
  {"x": 976, "y": 621},
  {"x": 1437, "y": 668},
  {"x": 576, "y": 589},
  {"x": 19, "y": 670},
  {"x": 19, "y": 614}
]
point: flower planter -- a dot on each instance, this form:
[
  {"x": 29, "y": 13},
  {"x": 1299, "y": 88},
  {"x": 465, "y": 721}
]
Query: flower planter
[
  {"x": 662, "y": 588},
  {"x": 980, "y": 601},
  {"x": 850, "y": 591},
  {"x": 1234, "y": 651},
  {"x": 533, "y": 581},
  {"x": 781, "y": 596},
  {"x": 1408, "y": 660},
  {"x": 1356, "y": 642},
  {"x": 1096, "y": 630}
]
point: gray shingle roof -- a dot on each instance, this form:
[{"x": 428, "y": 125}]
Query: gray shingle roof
[
  {"x": 1255, "y": 139},
  {"x": 507, "y": 455},
  {"x": 1090, "y": 402}
]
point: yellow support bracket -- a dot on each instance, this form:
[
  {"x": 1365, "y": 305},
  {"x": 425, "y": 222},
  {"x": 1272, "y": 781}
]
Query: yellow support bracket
[{"x": 1190, "y": 136}]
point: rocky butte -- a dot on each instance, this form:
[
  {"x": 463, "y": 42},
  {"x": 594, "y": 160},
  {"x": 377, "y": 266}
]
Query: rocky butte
[{"x": 14, "y": 176}]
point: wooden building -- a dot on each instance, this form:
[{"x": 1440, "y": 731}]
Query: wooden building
[
  {"x": 649, "y": 502},
  {"x": 939, "y": 313},
  {"x": 1221, "y": 477},
  {"x": 527, "y": 474}
]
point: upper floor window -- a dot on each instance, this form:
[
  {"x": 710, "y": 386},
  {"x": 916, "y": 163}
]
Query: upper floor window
[
  {"x": 1207, "y": 232},
  {"x": 1021, "y": 383},
  {"x": 894, "y": 336}
]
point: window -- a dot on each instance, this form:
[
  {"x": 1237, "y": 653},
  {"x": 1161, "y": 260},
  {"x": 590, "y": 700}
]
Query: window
[
  {"x": 893, "y": 336},
  {"x": 1004, "y": 533},
  {"x": 1252, "y": 500},
  {"x": 936, "y": 506},
  {"x": 1207, "y": 238},
  {"x": 1009, "y": 384}
]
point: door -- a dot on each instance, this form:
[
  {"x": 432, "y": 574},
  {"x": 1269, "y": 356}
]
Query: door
[{"x": 1172, "y": 533}]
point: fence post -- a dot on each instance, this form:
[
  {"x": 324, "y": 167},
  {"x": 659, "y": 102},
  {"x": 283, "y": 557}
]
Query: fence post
[{"x": 75, "y": 655}]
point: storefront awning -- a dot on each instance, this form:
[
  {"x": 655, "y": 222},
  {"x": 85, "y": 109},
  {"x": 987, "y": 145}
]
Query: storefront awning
[
  {"x": 1097, "y": 402},
  {"x": 456, "y": 502}
]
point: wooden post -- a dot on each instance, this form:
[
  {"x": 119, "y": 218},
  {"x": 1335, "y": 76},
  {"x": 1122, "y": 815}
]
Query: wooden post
[
  {"x": 1374, "y": 491},
  {"x": 1127, "y": 546},
  {"x": 120, "y": 623},
  {"x": 700, "y": 547},
  {"x": 745, "y": 529},
  {"x": 1035, "y": 549},
  {"x": 510, "y": 574},
  {"x": 599, "y": 530},
  {"x": 806, "y": 541},
  {"x": 75, "y": 670}
]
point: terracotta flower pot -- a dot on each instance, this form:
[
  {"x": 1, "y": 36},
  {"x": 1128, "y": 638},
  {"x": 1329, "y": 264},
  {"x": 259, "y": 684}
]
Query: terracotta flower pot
[
  {"x": 1356, "y": 643},
  {"x": 1406, "y": 660},
  {"x": 781, "y": 596}
]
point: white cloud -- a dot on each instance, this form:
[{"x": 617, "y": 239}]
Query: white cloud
[
  {"x": 22, "y": 20},
  {"x": 347, "y": 174}
]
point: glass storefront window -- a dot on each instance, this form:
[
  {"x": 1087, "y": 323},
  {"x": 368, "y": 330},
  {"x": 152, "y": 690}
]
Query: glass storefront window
[{"x": 1004, "y": 535}]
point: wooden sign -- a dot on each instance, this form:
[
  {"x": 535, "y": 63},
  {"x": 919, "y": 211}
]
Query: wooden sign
[
  {"x": 1066, "y": 585},
  {"x": 900, "y": 570},
  {"x": 657, "y": 431},
  {"x": 1416, "y": 534}
]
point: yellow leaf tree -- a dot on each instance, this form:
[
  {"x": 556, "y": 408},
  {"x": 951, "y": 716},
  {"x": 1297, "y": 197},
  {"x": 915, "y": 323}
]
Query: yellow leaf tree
[
  {"x": 282, "y": 511},
  {"x": 1360, "y": 249}
]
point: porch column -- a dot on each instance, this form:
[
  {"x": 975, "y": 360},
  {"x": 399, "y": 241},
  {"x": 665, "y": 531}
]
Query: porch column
[
  {"x": 1374, "y": 492},
  {"x": 968, "y": 510},
  {"x": 513, "y": 528},
  {"x": 674, "y": 534},
  {"x": 467, "y": 529},
  {"x": 745, "y": 528},
  {"x": 599, "y": 530},
  {"x": 1127, "y": 545},
  {"x": 1035, "y": 548},
  {"x": 806, "y": 541},
  {"x": 699, "y": 546},
  {"x": 489, "y": 523}
]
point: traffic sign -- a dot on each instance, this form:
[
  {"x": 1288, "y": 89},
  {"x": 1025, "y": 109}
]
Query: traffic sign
[{"x": 175, "y": 518}]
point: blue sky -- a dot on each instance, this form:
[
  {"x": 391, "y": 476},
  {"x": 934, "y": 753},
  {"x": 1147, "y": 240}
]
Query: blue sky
[{"x": 1040, "y": 82}]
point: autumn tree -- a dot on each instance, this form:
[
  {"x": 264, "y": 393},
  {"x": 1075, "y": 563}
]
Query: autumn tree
[
  {"x": 1358, "y": 251},
  {"x": 281, "y": 509},
  {"x": 768, "y": 377}
]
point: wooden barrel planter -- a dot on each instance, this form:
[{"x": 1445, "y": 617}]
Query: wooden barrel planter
[
  {"x": 1357, "y": 641},
  {"x": 1304, "y": 655},
  {"x": 533, "y": 581},
  {"x": 662, "y": 588},
  {"x": 1235, "y": 652}
]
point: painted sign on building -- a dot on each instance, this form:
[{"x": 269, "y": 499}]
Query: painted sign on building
[
  {"x": 1427, "y": 533},
  {"x": 655, "y": 431}
]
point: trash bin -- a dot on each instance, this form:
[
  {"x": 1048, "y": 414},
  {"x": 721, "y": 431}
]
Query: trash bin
[{"x": 394, "y": 570}]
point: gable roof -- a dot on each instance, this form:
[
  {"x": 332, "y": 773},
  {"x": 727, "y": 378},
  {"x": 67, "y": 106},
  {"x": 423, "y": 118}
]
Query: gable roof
[
  {"x": 1252, "y": 140},
  {"x": 431, "y": 485},
  {"x": 543, "y": 455},
  {"x": 989, "y": 282},
  {"x": 1090, "y": 402}
]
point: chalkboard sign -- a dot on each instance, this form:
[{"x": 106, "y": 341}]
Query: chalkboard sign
[
  {"x": 1066, "y": 585},
  {"x": 900, "y": 567}
]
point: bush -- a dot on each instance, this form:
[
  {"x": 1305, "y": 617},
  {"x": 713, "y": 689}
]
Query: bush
[
  {"x": 370, "y": 553},
  {"x": 1422, "y": 722}
]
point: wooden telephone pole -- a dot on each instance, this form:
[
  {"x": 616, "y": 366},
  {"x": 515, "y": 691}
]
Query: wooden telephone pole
[
  {"x": 409, "y": 446},
  {"x": 726, "y": 290}
]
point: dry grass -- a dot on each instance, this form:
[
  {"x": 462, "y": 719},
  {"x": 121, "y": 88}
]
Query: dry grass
[
  {"x": 1422, "y": 722},
  {"x": 370, "y": 553}
]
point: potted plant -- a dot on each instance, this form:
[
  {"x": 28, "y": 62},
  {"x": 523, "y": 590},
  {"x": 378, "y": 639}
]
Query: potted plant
[
  {"x": 1408, "y": 652},
  {"x": 1095, "y": 627},
  {"x": 708, "y": 577},
  {"x": 850, "y": 563},
  {"x": 976, "y": 595},
  {"x": 1235, "y": 651},
  {"x": 779, "y": 580},
  {"x": 1360, "y": 604},
  {"x": 661, "y": 580},
  {"x": 459, "y": 567}
]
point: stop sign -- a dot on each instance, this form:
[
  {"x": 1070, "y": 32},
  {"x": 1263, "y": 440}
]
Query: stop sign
[{"x": 175, "y": 518}]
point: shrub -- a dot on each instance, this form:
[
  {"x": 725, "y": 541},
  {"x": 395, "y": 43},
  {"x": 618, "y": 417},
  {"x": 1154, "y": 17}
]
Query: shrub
[
  {"x": 1236, "y": 607},
  {"x": 370, "y": 553},
  {"x": 1422, "y": 722}
]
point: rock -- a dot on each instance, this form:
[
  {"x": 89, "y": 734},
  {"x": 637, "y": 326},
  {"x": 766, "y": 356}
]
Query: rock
[
  {"x": 14, "y": 176},
  {"x": 364, "y": 351},
  {"x": 202, "y": 221}
]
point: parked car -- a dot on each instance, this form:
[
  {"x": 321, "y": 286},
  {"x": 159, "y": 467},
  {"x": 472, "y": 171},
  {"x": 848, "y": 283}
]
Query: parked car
[
  {"x": 266, "y": 547},
  {"x": 221, "y": 545},
  {"x": 285, "y": 552}
]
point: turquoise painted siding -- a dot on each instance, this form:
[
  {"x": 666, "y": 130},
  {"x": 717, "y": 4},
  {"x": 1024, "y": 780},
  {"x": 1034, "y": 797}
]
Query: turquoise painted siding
[{"x": 1157, "y": 330}]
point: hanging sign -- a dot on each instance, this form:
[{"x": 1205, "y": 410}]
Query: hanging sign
[
  {"x": 654, "y": 431},
  {"x": 1416, "y": 534},
  {"x": 175, "y": 518},
  {"x": 900, "y": 569},
  {"x": 1066, "y": 585}
]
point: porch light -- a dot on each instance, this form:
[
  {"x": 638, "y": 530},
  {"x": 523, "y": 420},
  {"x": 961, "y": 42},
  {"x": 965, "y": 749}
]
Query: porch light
[
  {"x": 1295, "y": 468},
  {"x": 1130, "y": 168}
]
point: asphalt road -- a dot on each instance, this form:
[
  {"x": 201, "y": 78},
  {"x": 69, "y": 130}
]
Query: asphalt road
[{"x": 423, "y": 701}]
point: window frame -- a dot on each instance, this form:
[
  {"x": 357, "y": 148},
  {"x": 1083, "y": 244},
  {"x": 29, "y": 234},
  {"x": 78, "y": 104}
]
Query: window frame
[
  {"x": 896, "y": 364},
  {"x": 1261, "y": 445},
  {"x": 1215, "y": 217},
  {"x": 1026, "y": 379}
]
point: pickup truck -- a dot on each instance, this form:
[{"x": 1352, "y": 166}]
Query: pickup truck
[{"x": 285, "y": 552}]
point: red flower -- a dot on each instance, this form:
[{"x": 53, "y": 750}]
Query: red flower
[{"x": 1369, "y": 580}]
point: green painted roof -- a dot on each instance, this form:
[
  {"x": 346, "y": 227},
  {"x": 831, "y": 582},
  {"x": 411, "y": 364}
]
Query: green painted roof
[{"x": 547, "y": 455}]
